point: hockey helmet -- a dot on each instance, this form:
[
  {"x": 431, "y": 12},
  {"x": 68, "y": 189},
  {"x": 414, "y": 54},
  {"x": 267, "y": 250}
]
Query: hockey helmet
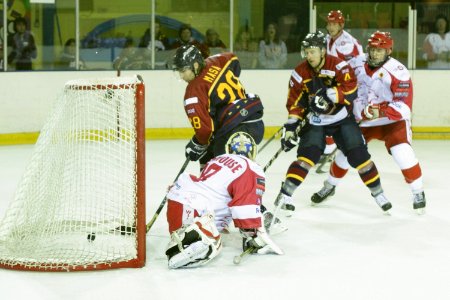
[
  {"x": 241, "y": 143},
  {"x": 186, "y": 56},
  {"x": 381, "y": 39},
  {"x": 335, "y": 16},
  {"x": 314, "y": 40}
]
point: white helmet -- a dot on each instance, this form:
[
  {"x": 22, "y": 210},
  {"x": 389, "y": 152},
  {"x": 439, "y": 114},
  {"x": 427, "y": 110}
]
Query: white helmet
[{"x": 241, "y": 143}]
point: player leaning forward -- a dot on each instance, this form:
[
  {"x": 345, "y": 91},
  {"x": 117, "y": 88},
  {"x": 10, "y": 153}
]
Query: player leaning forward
[
  {"x": 216, "y": 102},
  {"x": 325, "y": 86},
  {"x": 384, "y": 105},
  {"x": 230, "y": 188}
]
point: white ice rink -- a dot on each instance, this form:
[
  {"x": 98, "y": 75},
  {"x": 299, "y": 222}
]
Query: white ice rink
[{"x": 344, "y": 249}]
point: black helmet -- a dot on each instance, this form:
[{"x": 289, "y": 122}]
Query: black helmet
[
  {"x": 185, "y": 56},
  {"x": 314, "y": 39}
]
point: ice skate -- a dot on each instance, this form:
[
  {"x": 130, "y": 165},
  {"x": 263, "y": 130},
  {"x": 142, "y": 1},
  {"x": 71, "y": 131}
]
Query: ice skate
[
  {"x": 286, "y": 204},
  {"x": 382, "y": 201},
  {"x": 326, "y": 191},
  {"x": 419, "y": 203}
]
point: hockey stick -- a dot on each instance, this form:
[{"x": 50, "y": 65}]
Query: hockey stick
[
  {"x": 238, "y": 258},
  {"x": 271, "y": 139},
  {"x": 163, "y": 202},
  {"x": 273, "y": 159},
  {"x": 324, "y": 161}
]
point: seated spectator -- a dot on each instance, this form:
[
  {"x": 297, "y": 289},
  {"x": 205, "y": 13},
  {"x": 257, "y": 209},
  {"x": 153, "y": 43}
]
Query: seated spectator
[
  {"x": 130, "y": 58},
  {"x": 272, "y": 50},
  {"x": 246, "y": 48},
  {"x": 161, "y": 41},
  {"x": 213, "y": 42},
  {"x": 23, "y": 46},
  {"x": 185, "y": 38},
  {"x": 436, "y": 45},
  {"x": 67, "y": 60}
]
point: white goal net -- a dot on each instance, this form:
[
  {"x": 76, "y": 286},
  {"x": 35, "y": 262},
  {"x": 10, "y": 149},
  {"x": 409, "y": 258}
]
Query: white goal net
[{"x": 81, "y": 202}]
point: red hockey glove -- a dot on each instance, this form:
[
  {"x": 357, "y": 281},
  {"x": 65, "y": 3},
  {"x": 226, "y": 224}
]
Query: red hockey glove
[{"x": 374, "y": 111}]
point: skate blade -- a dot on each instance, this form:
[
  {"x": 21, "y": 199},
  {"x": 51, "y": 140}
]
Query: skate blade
[{"x": 420, "y": 211}]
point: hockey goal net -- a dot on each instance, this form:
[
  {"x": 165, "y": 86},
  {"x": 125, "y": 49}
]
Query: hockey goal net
[{"x": 81, "y": 202}]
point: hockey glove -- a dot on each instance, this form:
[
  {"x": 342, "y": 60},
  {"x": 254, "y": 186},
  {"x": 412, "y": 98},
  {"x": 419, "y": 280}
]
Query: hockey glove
[
  {"x": 321, "y": 104},
  {"x": 194, "y": 150},
  {"x": 374, "y": 111},
  {"x": 290, "y": 138},
  {"x": 260, "y": 241}
]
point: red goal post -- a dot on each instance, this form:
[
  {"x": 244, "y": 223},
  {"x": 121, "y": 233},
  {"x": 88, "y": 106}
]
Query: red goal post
[{"x": 81, "y": 202}]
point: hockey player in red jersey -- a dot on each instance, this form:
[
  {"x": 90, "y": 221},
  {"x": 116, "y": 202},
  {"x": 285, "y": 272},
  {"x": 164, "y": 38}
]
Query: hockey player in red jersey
[
  {"x": 229, "y": 189},
  {"x": 216, "y": 102},
  {"x": 383, "y": 106},
  {"x": 322, "y": 89},
  {"x": 341, "y": 44}
]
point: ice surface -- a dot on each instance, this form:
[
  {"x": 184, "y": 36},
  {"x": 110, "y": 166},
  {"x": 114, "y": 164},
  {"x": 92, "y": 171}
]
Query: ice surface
[{"x": 345, "y": 248}]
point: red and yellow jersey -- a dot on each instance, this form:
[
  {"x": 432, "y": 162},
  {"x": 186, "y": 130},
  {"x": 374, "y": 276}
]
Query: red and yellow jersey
[
  {"x": 335, "y": 73},
  {"x": 214, "y": 101}
]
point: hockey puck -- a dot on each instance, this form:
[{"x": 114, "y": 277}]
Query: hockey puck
[{"x": 91, "y": 237}]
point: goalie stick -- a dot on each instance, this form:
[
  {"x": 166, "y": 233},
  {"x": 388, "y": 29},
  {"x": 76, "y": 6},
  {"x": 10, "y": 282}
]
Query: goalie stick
[
  {"x": 238, "y": 258},
  {"x": 271, "y": 139},
  {"x": 163, "y": 202}
]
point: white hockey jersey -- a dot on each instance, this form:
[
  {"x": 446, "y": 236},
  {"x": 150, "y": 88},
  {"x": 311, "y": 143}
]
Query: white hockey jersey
[
  {"x": 389, "y": 83},
  {"x": 230, "y": 185},
  {"x": 344, "y": 46}
]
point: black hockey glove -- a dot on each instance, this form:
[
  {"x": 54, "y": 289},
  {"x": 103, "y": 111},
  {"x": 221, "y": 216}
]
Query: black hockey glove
[
  {"x": 194, "y": 150},
  {"x": 290, "y": 138}
]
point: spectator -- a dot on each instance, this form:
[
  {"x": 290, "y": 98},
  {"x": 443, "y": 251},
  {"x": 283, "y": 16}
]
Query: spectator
[
  {"x": 246, "y": 48},
  {"x": 67, "y": 60},
  {"x": 161, "y": 41},
  {"x": 129, "y": 58},
  {"x": 2, "y": 61},
  {"x": 213, "y": 42},
  {"x": 185, "y": 38},
  {"x": 436, "y": 46},
  {"x": 23, "y": 46},
  {"x": 272, "y": 50}
]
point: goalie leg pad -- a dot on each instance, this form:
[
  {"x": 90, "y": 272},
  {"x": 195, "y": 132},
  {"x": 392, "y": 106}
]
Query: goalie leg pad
[{"x": 194, "y": 245}]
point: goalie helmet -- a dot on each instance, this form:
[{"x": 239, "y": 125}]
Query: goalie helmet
[
  {"x": 185, "y": 57},
  {"x": 335, "y": 16},
  {"x": 241, "y": 143}
]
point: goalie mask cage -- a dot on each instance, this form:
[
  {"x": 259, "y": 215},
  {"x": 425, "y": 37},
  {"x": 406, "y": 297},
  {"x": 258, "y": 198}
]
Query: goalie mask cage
[{"x": 81, "y": 202}]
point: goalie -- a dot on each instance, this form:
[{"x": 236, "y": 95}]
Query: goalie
[{"x": 230, "y": 188}]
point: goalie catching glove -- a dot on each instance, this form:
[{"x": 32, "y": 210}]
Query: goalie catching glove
[
  {"x": 194, "y": 150},
  {"x": 260, "y": 241},
  {"x": 290, "y": 138}
]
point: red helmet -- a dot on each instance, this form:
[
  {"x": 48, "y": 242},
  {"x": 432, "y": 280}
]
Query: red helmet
[
  {"x": 381, "y": 39},
  {"x": 335, "y": 16}
]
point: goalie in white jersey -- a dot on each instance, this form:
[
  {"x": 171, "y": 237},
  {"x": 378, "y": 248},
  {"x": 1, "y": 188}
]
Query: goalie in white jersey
[
  {"x": 229, "y": 189},
  {"x": 383, "y": 107}
]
